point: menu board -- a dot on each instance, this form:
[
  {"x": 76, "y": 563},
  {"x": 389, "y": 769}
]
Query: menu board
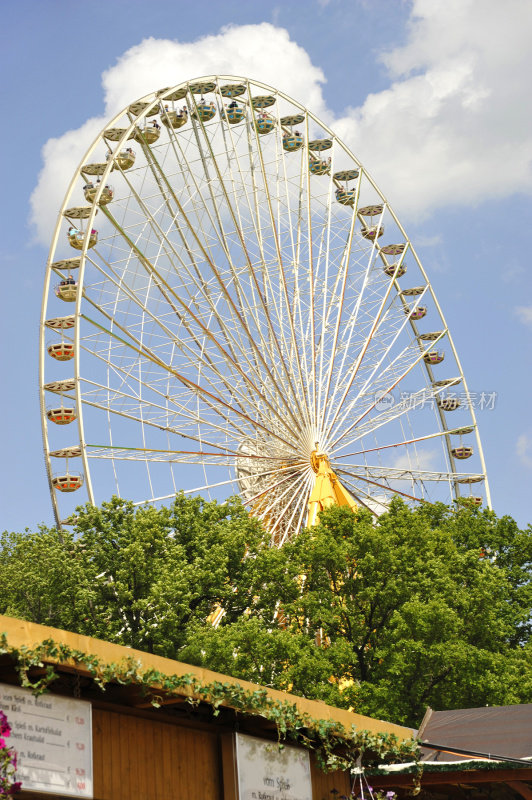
[
  {"x": 267, "y": 773},
  {"x": 52, "y": 736}
]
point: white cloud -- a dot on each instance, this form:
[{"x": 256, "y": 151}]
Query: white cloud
[
  {"x": 525, "y": 314},
  {"x": 61, "y": 157},
  {"x": 454, "y": 127},
  {"x": 236, "y": 50},
  {"x": 524, "y": 449},
  {"x": 156, "y": 63}
]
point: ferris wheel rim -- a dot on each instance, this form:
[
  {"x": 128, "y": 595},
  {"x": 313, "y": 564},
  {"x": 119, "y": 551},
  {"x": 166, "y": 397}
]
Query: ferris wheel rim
[{"x": 154, "y": 99}]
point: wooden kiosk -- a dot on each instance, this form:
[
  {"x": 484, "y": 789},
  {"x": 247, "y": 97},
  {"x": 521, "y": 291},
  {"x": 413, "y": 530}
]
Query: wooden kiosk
[{"x": 77, "y": 740}]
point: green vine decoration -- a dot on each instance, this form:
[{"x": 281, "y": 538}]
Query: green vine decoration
[{"x": 335, "y": 747}]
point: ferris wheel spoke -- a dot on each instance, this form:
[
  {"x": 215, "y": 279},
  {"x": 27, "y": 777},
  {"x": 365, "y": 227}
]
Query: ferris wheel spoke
[
  {"x": 255, "y": 283},
  {"x": 395, "y": 380},
  {"x": 299, "y": 285},
  {"x": 158, "y": 422},
  {"x": 250, "y": 208},
  {"x": 353, "y": 371},
  {"x": 305, "y": 497},
  {"x": 272, "y": 509},
  {"x": 197, "y": 489},
  {"x": 253, "y": 500},
  {"x": 281, "y": 298},
  {"x": 358, "y": 492},
  {"x": 301, "y": 395},
  {"x": 375, "y": 504},
  {"x": 223, "y": 234},
  {"x": 156, "y": 377},
  {"x": 373, "y": 287},
  {"x": 160, "y": 418},
  {"x": 404, "y": 443},
  {"x": 195, "y": 278},
  {"x": 199, "y": 208},
  {"x": 312, "y": 277},
  {"x": 370, "y": 394},
  {"x": 167, "y": 290},
  {"x": 326, "y": 235},
  {"x": 414, "y": 401},
  {"x": 397, "y": 474},
  {"x": 204, "y": 329},
  {"x": 386, "y": 489},
  {"x": 239, "y": 183},
  {"x": 195, "y": 356},
  {"x": 233, "y": 208},
  {"x": 219, "y": 459},
  {"x": 255, "y": 211},
  {"x": 209, "y": 486},
  {"x": 396, "y": 319},
  {"x": 282, "y": 512},
  {"x": 212, "y": 401},
  {"x": 243, "y": 402},
  {"x": 186, "y": 415},
  {"x": 261, "y": 474},
  {"x": 178, "y": 456},
  {"x": 295, "y": 233},
  {"x": 304, "y": 321},
  {"x": 373, "y": 366},
  {"x": 240, "y": 326},
  {"x": 268, "y": 296},
  {"x": 167, "y": 193},
  {"x": 294, "y": 524},
  {"x": 334, "y": 346},
  {"x": 347, "y": 247}
]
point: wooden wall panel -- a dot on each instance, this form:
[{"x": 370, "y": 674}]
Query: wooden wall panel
[
  {"x": 142, "y": 759},
  {"x": 323, "y": 782},
  {"x": 139, "y": 758}
]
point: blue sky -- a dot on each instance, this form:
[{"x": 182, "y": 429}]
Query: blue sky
[{"x": 432, "y": 96}]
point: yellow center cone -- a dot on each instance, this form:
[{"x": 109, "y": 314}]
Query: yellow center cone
[{"x": 327, "y": 491}]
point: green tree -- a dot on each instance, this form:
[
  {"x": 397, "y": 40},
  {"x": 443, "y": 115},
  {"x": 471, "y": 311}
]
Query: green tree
[
  {"x": 40, "y": 577},
  {"x": 144, "y": 577},
  {"x": 420, "y": 607},
  {"x": 425, "y": 607}
]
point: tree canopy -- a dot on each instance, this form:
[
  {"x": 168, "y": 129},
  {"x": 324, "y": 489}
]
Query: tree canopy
[
  {"x": 143, "y": 577},
  {"x": 421, "y": 607}
]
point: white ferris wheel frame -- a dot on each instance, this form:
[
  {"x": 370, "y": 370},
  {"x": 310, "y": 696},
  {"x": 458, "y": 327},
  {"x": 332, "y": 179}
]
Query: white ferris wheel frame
[{"x": 155, "y": 99}]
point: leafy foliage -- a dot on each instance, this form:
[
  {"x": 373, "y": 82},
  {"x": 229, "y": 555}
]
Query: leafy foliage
[
  {"x": 422, "y": 607},
  {"x": 140, "y": 577},
  {"x": 425, "y": 607}
]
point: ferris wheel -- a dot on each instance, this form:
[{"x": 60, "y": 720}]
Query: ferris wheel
[{"x": 232, "y": 307}]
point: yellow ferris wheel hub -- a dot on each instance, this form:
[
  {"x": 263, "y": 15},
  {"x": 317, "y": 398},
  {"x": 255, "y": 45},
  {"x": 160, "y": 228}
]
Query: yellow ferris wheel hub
[{"x": 327, "y": 491}]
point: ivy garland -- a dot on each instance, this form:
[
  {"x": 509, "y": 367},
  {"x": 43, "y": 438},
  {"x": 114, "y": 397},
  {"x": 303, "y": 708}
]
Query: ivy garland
[{"x": 335, "y": 747}]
